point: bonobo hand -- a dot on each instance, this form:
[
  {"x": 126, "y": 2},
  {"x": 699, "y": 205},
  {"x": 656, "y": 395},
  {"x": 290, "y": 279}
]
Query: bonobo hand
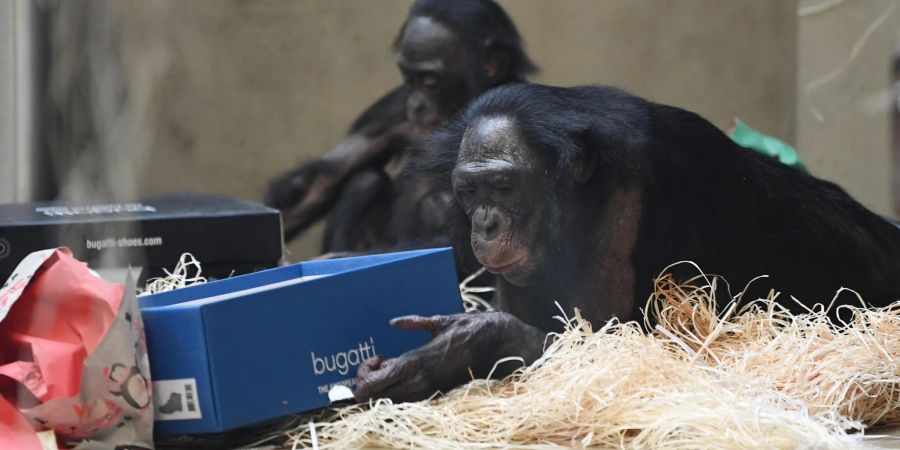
[
  {"x": 306, "y": 193},
  {"x": 460, "y": 342},
  {"x": 287, "y": 188},
  {"x": 302, "y": 194}
]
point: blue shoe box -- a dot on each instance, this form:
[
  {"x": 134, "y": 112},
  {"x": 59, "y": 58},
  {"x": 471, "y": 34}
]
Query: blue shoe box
[{"x": 242, "y": 350}]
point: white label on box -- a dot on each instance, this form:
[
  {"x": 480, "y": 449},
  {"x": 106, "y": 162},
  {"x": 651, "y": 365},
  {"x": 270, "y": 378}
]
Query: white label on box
[
  {"x": 176, "y": 399},
  {"x": 340, "y": 393}
]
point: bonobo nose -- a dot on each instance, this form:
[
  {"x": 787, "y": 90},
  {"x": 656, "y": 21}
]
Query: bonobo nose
[
  {"x": 489, "y": 223},
  {"x": 415, "y": 105}
]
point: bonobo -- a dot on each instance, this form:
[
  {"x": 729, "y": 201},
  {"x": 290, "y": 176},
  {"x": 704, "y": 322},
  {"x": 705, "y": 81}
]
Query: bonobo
[
  {"x": 582, "y": 195},
  {"x": 448, "y": 53}
]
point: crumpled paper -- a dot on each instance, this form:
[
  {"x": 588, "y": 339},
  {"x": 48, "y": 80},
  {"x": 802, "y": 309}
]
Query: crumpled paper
[{"x": 73, "y": 359}]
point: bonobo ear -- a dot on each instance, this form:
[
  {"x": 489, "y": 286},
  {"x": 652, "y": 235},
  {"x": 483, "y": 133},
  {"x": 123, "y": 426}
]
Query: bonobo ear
[
  {"x": 584, "y": 163},
  {"x": 496, "y": 63}
]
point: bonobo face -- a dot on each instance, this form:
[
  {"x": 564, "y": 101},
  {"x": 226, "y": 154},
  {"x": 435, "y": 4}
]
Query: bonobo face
[
  {"x": 504, "y": 188},
  {"x": 432, "y": 60}
]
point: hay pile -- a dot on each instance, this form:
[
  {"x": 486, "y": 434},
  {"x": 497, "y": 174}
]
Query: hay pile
[
  {"x": 749, "y": 377},
  {"x": 187, "y": 272}
]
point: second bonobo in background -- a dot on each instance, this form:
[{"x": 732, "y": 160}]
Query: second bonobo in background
[
  {"x": 582, "y": 195},
  {"x": 448, "y": 53}
]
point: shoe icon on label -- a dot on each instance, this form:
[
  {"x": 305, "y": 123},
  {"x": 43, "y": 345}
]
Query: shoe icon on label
[{"x": 172, "y": 405}]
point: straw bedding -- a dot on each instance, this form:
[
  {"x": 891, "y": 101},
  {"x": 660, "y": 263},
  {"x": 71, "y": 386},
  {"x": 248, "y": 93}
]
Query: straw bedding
[{"x": 750, "y": 376}]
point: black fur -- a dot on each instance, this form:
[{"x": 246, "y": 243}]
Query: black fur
[{"x": 705, "y": 199}]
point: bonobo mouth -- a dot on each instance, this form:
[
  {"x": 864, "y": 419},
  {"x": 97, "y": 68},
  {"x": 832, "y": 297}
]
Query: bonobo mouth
[
  {"x": 498, "y": 258},
  {"x": 502, "y": 268}
]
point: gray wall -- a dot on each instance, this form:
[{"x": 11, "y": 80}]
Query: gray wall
[
  {"x": 17, "y": 100},
  {"x": 844, "y": 104},
  {"x": 720, "y": 59},
  {"x": 237, "y": 92},
  {"x": 7, "y": 102}
]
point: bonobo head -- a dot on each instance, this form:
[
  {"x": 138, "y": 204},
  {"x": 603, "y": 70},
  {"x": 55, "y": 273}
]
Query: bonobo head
[
  {"x": 532, "y": 171},
  {"x": 451, "y": 51},
  {"x": 502, "y": 184}
]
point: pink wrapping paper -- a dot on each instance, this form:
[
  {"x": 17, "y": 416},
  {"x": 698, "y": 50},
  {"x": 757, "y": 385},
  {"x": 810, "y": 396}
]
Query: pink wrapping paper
[{"x": 73, "y": 357}]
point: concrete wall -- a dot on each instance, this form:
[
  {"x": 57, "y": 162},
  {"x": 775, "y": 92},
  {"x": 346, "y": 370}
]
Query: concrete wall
[
  {"x": 17, "y": 100},
  {"x": 720, "y": 59},
  {"x": 241, "y": 91},
  {"x": 246, "y": 90},
  {"x": 7, "y": 102},
  {"x": 844, "y": 101}
]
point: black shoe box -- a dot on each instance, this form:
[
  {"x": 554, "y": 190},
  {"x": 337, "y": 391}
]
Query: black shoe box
[{"x": 228, "y": 236}]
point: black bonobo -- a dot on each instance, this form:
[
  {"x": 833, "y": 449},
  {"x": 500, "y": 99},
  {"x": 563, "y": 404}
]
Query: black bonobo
[
  {"x": 582, "y": 195},
  {"x": 448, "y": 53}
]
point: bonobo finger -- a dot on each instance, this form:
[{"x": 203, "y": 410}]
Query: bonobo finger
[
  {"x": 376, "y": 382},
  {"x": 410, "y": 390},
  {"x": 413, "y": 322},
  {"x": 387, "y": 363},
  {"x": 368, "y": 366}
]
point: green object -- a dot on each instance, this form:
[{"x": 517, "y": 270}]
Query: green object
[{"x": 747, "y": 137}]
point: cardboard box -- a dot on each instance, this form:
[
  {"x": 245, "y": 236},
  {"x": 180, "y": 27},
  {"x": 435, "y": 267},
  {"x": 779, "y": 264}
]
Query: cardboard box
[
  {"x": 223, "y": 233},
  {"x": 238, "y": 351}
]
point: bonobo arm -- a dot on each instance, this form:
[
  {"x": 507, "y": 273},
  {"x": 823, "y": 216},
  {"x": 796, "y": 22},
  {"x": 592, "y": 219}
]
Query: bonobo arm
[
  {"x": 460, "y": 343},
  {"x": 304, "y": 194}
]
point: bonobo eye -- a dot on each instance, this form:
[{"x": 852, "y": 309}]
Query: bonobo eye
[
  {"x": 503, "y": 184},
  {"x": 504, "y": 188},
  {"x": 407, "y": 77},
  {"x": 464, "y": 192}
]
